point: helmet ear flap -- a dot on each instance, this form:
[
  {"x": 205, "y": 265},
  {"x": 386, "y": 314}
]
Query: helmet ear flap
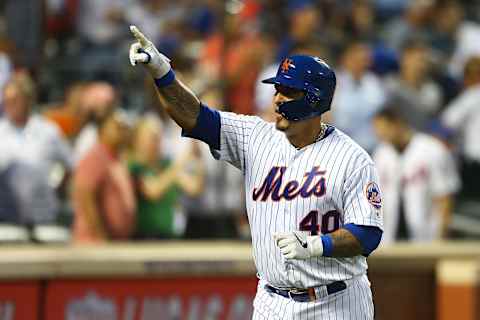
[
  {"x": 316, "y": 100},
  {"x": 313, "y": 98}
]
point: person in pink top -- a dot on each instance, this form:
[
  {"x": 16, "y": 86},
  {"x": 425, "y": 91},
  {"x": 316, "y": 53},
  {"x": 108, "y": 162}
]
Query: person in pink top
[{"x": 103, "y": 194}]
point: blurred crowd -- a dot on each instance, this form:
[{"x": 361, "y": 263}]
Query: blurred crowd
[{"x": 86, "y": 152}]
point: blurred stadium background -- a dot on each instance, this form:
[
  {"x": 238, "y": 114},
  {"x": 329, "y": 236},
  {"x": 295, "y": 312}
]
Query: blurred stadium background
[{"x": 165, "y": 234}]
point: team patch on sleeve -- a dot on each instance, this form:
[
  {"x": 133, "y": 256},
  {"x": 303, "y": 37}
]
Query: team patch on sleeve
[{"x": 372, "y": 192}]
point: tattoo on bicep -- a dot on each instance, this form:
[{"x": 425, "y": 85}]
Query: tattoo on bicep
[{"x": 345, "y": 244}]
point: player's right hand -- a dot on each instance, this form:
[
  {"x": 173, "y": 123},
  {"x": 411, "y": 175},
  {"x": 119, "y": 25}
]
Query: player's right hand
[
  {"x": 297, "y": 245},
  {"x": 144, "y": 51}
]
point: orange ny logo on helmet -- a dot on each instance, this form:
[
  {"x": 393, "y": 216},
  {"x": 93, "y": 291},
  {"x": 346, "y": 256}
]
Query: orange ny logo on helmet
[{"x": 286, "y": 64}]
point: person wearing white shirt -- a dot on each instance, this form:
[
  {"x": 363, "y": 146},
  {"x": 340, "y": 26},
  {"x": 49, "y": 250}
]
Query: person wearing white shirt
[
  {"x": 358, "y": 96},
  {"x": 100, "y": 21},
  {"x": 154, "y": 17},
  {"x": 468, "y": 45},
  {"x": 5, "y": 72},
  {"x": 462, "y": 115},
  {"x": 419, "y": 179},
  {"x": 99, "y": 32},
  {"x": 263, "y": 94},
  {"x": 35, "y": 152}
]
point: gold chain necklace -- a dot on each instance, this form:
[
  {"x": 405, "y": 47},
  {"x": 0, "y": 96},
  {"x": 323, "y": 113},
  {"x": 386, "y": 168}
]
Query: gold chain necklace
[{"x": 321, "y": 134}]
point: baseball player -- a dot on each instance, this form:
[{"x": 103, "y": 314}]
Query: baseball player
[
  {"x": 419, "y": 178},
  {"x": 313, "y": 199}
]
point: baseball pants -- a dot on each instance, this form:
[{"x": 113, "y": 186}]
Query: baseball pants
[{"x": 353, "y": 303}]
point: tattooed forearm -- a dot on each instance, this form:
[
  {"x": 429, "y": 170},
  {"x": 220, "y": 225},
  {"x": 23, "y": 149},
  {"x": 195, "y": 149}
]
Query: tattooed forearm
[
  {"x": 180, "y": 103},
  {"x": 345, "y": 244}
]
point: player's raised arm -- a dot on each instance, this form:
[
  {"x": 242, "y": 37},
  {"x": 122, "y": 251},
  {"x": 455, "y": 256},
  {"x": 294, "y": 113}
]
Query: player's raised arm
[
  {"x": 179, "y": 101},
  {"x": 226, "y": 133}
]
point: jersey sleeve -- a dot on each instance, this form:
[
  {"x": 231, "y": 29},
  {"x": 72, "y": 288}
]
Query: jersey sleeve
[
  {"x": 227, "y": 134},
  {"x": 235, "y": 133},
  {"x": 362, "y": 199}
]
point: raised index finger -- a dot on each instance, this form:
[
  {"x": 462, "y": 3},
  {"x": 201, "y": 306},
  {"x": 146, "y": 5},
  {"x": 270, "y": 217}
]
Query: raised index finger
[{"x": 139, "y": 36}]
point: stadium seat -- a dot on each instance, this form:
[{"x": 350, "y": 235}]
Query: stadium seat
[
  {"x": 51, "y": 234},
  {"x": 10, "y": 233}
]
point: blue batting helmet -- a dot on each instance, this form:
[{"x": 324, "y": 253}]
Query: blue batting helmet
[{"x": 312, "y": 76}]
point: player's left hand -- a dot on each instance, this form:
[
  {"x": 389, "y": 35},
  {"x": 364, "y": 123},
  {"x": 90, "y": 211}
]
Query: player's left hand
[{"x": 297, "y": 245}]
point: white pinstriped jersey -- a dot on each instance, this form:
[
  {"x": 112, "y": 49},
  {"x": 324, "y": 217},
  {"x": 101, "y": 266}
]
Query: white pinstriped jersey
[{"x": 317, "y": 188}]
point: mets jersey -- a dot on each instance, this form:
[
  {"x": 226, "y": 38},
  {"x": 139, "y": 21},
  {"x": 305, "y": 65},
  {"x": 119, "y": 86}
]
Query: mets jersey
[
  {"x": 315, "y": 189},
  {"x": 424, "y": 171}
]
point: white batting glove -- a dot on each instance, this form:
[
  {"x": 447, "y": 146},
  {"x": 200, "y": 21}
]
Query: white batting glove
[
  {"x": 297, "y": 245},
  {"x": 143, "y": 51}
]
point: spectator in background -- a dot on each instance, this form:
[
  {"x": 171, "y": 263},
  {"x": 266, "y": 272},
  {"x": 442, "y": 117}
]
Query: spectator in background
[
  {"x": 159, "y": 182},
  {"x": 263, "y": 94},
  {"x": 101, "y": 27},
  {"x": 60, "y": 16},
  {"x": 5, "y": 73},
  {"x": 202, "y": 17},
  {"x": 34, "y": 152},
  {"x": 304, "y": 20},
  {"x": 235, "y": 56},
  {"x": 458, "y": 39},
  {"x": 420, "y": 95},
  {"x": 387, "y": 8},
  {"x": 24, "y": 27},
  {"x": 361, "y": 22},
  {"x": 70, "y": 116},
  {"x": 219, "y": 211},
  {"x": 414, "y": 22},
  {"x": 100, "y": 21},
  {"x": 103, "y": 195},
  {"x": 358, "y": 96},
  {"x": 154, "y": 17},
  {"x": 9, "y": 213},
  {"x": 447, "y": 17},
  {"x": 418, "y": 178},
  {"x": 98, "y": 100},
  {"x": 7, "y": 61},
  {"x": 462, "y": 115}
]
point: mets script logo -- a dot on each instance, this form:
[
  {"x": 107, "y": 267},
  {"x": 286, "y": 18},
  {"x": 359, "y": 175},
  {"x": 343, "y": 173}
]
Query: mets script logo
[
  {"x": 372, "y": 192},
  {"x": 274, "y": 189},
  {"x": 286, "y": 64}
]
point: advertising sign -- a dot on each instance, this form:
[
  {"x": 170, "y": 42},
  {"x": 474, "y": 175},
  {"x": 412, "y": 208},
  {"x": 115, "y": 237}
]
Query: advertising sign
[
  {"x": 19, "y": 300},
  {"x": 219, "y": 298}
]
